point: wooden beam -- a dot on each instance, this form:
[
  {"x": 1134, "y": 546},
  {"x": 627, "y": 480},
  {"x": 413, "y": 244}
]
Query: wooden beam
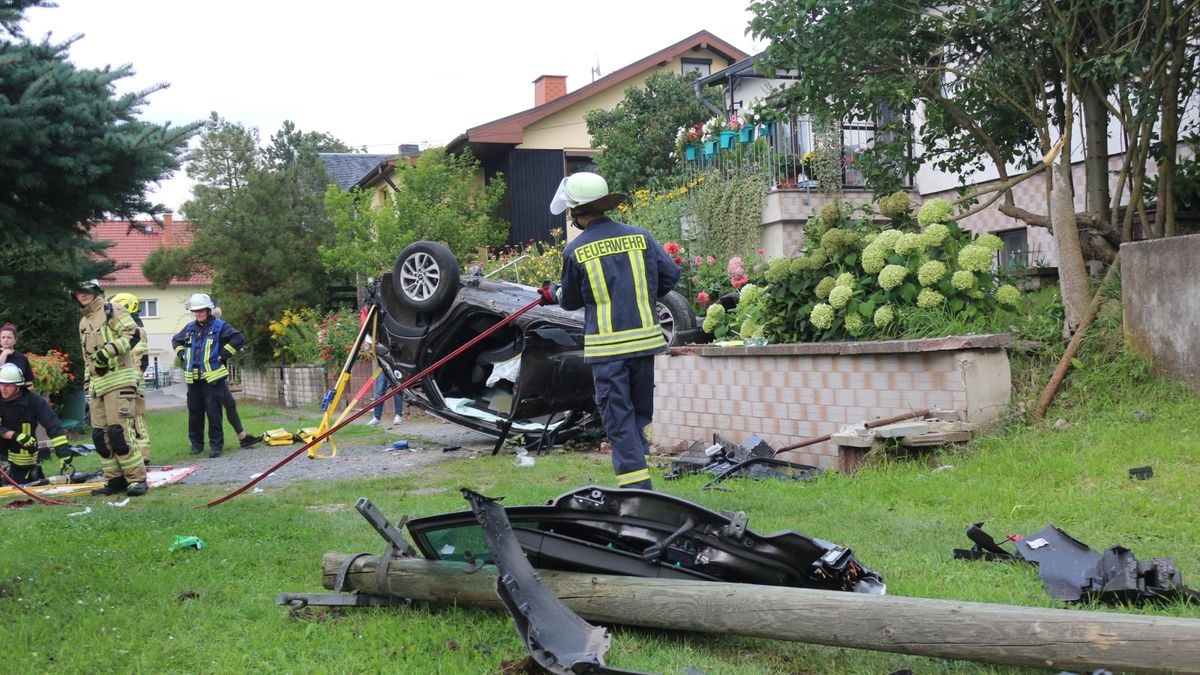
[{"x": 1003, "y": 634}]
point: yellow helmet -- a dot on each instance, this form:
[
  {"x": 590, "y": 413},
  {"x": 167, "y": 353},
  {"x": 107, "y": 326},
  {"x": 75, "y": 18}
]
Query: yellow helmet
[{"x": 127, "y": 300}]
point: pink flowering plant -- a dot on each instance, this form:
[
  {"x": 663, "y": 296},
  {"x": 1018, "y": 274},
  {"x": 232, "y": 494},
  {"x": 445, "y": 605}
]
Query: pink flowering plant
[{"x": 705, "y": 279}]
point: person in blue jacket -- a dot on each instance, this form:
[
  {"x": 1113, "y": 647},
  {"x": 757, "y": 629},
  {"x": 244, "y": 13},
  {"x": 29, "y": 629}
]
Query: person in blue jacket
[
  {"x": 616, "y": 273},
  {"x": 202, "y": 348}
]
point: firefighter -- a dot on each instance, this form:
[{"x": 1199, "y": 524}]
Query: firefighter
[
  {"x": 141, "y": 359},
  {"x": 202, "y": 347},
  {"x": 21, "y": 411},
  {"x": 616, "y": 272},
  {"x": 107, "y": 334}
]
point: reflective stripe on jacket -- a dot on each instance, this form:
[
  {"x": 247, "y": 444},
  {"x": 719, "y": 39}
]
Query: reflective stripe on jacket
[
  {"x": 616, "y": 272},
  {"x": 202, "y": 348},
  {"x": 24, "y": 414},
  {"x": 108, "y": 324}
]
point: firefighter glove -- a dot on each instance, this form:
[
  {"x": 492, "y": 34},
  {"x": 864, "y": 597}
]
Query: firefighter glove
[
  {"x": 548, "y": 293},
  {"x": 25, "y": 440}
]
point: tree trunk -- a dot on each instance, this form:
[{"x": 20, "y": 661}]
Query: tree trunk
[
  {"x": 1095, "y": 135},
  {"x": 1072, "y": 274},
  {"x": 1021, "y": 636}
]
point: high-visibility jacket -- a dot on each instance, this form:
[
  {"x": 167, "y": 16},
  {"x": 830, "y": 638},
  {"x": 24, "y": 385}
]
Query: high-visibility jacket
[
  {"x": 616, "y": 272},
  {"x": 141, "y": 345},
  {"x": 204, "y": 347},
  {"x": 24, "y": 414},
  {"x": 106, "y": 324}
]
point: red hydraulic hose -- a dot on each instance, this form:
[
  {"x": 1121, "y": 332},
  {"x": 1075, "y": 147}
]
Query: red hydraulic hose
[
  {"x": 36, "y": 497},
  {"x": 403, "y": 385}
]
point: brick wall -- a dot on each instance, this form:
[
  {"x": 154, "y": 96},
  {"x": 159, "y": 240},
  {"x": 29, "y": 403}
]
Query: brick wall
[{"x": 788, "y": 393}]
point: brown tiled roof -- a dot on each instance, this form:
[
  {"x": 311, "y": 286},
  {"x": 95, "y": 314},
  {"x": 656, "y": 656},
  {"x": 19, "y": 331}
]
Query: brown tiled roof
[
  {"x": 511, "y": 129},
  {"x": 133, "y": 241}
]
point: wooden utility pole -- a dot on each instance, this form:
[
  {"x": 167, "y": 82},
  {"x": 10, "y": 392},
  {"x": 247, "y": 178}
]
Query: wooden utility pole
[
  {"x": 1004, "y": 634},
  {"x": 991, "y": 633}
]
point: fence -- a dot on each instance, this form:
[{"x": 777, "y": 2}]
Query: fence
[{"x": 781, "y": 150}]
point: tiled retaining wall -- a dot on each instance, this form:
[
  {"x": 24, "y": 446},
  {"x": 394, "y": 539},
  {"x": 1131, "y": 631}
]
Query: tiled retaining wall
[
  {"x": 788, "y": 393},
  {"x": 290, "y": 386}
]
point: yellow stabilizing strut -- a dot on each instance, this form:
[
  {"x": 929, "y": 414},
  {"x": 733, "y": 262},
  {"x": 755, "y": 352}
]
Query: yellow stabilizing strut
[{"x": 369, "y": 322}]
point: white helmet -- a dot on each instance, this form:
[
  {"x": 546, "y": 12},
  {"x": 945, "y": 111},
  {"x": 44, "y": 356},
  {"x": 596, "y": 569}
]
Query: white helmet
[
  {"x": 10, "y": 373},
  {"x": 584, "y": 192},
  {"x": 199, "y": 301}
]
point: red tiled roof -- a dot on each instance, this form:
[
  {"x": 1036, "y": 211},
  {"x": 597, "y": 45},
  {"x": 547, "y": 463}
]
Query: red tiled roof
[{"x": 134, "y": 241}]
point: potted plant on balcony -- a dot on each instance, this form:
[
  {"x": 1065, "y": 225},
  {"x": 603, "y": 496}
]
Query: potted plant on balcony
[
  {"x": 687, "y": 141},
  {"x": 712, "y": 134},
  {"x": 762, "y": 116}
]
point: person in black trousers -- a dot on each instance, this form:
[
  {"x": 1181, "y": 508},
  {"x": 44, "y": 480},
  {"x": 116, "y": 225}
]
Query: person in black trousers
[{"x": 230, "y": 404}]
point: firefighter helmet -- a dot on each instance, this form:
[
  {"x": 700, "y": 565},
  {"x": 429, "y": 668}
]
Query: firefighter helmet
[
  {"x": 91, "y": 287},
  {"x": 10, "y": 373},
  {"x": 584, "y": 192},
  {"x": 199, "y": 301},
  {"x": 127, "y": 300}
]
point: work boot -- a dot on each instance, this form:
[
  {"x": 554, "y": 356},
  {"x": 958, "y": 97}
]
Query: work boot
[
  {"x": 216, "y": 452},
  {"x": 137, "y": 489},
  {"x": 250, "y": 440},
  {"x": 115, "y": 486},
  {"x": 196, "y": 451}
]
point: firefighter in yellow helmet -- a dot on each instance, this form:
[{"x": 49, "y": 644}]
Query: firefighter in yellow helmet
[
  {"x": 107, "y": 334},
  {"x": 141, "y": 360},
  {"x": 21, "y": 411}
]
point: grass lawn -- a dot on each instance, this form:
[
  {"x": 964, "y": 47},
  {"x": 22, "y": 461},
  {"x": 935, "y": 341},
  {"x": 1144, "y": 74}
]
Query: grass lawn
[{"x": 101, "y": 593}]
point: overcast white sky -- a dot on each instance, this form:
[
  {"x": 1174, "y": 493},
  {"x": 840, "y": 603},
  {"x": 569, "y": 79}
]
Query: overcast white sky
[{"x": 371, "y": 73}]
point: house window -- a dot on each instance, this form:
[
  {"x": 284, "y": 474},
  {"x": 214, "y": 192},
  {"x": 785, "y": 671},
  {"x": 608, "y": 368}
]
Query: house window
[
  {"x": 577, "y": 163},
  {"x": 148, "y": 309},
  {"x": 701, "y": 66},
  {"x": 1015, "y": 254}
]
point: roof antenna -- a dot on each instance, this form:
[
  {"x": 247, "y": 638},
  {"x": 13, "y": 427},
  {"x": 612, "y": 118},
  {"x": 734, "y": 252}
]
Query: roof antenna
[{"x": 596, "y": 69}]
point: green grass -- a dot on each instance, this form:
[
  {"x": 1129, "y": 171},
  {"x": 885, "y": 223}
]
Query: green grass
[{"x": 99, "y": 592}]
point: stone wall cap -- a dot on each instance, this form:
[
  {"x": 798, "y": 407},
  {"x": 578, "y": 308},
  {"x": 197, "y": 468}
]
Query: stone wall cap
[{"x": 951, "y": 343}]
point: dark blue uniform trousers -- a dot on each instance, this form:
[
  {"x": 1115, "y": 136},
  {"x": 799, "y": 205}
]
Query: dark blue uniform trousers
[
  {"x": 204, "y": 400},
  {"x": 625, "y": 397}
]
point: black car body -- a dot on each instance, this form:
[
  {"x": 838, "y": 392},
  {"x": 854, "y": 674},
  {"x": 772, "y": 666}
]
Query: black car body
[{"x": 528, "y": 376}]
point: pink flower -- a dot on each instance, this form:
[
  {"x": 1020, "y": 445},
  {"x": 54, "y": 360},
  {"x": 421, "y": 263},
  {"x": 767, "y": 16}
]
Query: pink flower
[
  {"x": 759, "y": 251},
  {"x": 740, "y": 281},
  {"x": 699, "y": 261},
  {"x": 678, "y": 260},
  {"x": 702, "y": 299},
  {"x": 757, "y": 268},
  {"x": 735, "y": 268},
  {"x": 711, "y": 260},
  {"x": 671, "y": 248}
]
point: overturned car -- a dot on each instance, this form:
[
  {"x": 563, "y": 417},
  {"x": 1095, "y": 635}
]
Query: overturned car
[{"x": 527, "y": 377}]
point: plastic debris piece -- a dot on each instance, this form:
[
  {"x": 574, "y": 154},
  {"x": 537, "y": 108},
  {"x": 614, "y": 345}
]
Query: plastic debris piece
[
  {"x": 121, "y": 504},
  {"x": 186, "y": 541},
  {"x": 81, "y": 513}
]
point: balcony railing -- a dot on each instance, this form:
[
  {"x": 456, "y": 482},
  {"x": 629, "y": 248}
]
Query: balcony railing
[{"x": 779, "y": 150}]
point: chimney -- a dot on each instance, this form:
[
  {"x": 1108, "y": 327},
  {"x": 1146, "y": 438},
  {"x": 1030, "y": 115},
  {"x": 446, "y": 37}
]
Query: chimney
[
  {"x": 409, "y": 149},
  {"x": 168, "y": 229},
  {"x": 548, "y": 87}
]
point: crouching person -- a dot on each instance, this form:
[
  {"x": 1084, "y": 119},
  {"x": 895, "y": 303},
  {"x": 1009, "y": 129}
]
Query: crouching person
[
  {"x": 107, "y": 334},
  {"x": 21, "y": 411}
]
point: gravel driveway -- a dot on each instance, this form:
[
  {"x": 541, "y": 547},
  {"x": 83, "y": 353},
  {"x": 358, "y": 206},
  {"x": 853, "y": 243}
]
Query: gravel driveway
[{"x": 427, "y": 436}]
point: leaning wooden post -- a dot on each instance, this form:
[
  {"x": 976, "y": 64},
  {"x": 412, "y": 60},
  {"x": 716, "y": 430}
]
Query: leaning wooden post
[
  {"x": 1004, "y": 634},
  {"x": 1064, "y": 364}
]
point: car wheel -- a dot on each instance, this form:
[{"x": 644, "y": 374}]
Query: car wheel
[
  {"x": 425, "y": 277},
  {"x": 674, "y": 315}
]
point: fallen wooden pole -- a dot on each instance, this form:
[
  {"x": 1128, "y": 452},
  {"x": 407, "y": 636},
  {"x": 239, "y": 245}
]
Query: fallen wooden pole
[
  {"x": 1004, "y": 634},
  {"x": 866, "y": 425}
]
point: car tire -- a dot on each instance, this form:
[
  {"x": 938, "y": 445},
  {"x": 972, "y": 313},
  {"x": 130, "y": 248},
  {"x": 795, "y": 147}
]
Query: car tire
[
  {"x": 675, "y": 315},
  {"x": 425, "y": 277}
]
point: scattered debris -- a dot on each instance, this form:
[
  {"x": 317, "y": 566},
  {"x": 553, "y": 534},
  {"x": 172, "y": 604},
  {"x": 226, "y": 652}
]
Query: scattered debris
[
  {"x": 944, "y": 467},
  {"x": 19, "y": 504},
  {"x": 557, "y": 639},
  {"x": 1060, "y": 424},
  {"x": 121, "y": 504},
  {"x": 452, "y": 448},
  {"x": 84, "y": 512},
  {"x": 755, "y": 458},
  {"x": 186, "y": 541},
  {"x": 1141, "y": 472},
  {"x": 1072, "y": 572},
  {"x": 189, "y": 594}
]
